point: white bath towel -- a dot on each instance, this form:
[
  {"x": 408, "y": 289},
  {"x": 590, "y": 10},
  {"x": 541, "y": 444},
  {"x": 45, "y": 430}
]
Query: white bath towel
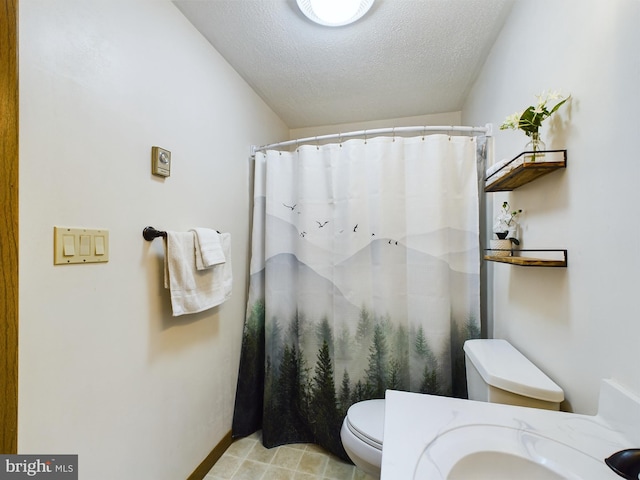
[
  {"x": 495, "y": 167},
  {"x": 194, "y": 290},
  {"x": 208, "y": 248}
]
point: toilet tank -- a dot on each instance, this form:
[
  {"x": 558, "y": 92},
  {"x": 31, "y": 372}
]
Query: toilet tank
[{"x": 498, "y": 373}]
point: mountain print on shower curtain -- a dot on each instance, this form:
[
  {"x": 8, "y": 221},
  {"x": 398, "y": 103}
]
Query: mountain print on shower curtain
[{"x": 338, "y": 319}]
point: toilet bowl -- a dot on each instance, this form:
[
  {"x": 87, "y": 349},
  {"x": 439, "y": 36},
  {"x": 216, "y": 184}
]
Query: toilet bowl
[
  {"x": 361, "y": 435},
  {"x": 496, "y": 373}
]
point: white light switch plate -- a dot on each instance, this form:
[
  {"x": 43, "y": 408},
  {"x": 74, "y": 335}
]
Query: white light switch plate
[{"x": 80, "y": 245}]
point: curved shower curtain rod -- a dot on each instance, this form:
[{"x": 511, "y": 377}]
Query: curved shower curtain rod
[{"x": 486, "y": 130}]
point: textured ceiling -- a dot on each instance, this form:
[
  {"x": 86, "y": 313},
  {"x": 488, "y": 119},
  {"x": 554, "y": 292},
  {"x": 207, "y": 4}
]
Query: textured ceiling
[{"x": 403, "y": 58}]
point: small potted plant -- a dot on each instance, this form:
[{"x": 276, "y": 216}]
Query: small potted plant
[
  {"x": 530, "y": 121},
  {"x": 506, "y": 231}
]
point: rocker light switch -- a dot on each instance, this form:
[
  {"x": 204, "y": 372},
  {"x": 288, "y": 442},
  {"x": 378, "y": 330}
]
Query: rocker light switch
[
  {"x": 69, "y": 245},
  {"x": 85, "y": 245},
  {"x": 99, "y": 245}
]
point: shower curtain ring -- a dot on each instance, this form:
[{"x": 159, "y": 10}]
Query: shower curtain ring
[
  {"x": 317, "y": 144},
  {"x": 393, "y": 134},
  {"x": 365, "y": 136},
  {"x": 340, "y": 139}
]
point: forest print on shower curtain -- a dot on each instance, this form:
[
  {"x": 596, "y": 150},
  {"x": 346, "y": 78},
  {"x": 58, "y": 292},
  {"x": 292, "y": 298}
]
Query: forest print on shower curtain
[{"x": 364, "y": 277}]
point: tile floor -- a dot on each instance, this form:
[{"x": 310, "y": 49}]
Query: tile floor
[{"x": 247, "y": 459}]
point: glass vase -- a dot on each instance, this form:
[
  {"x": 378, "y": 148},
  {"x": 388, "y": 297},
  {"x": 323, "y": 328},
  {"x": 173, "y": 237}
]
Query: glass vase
[{"x": 534, "y": 148}]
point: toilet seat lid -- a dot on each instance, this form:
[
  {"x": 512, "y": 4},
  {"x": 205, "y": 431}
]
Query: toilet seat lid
[{"x": 366, "y": 421}]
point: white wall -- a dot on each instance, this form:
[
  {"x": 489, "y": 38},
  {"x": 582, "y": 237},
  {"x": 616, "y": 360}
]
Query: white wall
[
  {"x": 105, "y": 370},
  {"x": 582, "y": 323}
]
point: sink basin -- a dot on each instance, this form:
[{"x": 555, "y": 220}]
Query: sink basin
[{"x": 498, "y": 452}]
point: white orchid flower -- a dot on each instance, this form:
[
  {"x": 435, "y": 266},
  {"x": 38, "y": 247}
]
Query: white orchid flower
[
  {"x": 555, "y": 95},
  {"x": 512, "y": 121}
]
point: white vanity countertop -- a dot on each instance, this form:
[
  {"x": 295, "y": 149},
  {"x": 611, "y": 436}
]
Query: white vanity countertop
[{"x": 413, "y": 421}]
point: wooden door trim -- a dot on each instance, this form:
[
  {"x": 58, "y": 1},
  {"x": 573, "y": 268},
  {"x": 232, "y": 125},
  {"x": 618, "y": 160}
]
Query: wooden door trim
[{"x": 9, "y": 226}]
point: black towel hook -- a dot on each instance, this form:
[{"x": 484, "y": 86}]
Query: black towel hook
[{"x": 149, "y": 233}]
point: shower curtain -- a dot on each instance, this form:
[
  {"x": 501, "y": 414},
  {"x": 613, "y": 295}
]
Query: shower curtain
[{"x": 365, "y": 276}]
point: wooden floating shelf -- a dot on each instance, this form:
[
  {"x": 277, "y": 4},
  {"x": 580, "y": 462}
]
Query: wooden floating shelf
[
  {"x": 526, "y": 171},
  {"x": 529, "y": 261}
]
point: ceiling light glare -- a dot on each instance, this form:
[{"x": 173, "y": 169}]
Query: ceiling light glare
[{"x": 334, "y": 13}]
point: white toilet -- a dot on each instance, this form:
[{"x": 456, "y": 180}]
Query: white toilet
[{"x": 496, "y": 373}]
